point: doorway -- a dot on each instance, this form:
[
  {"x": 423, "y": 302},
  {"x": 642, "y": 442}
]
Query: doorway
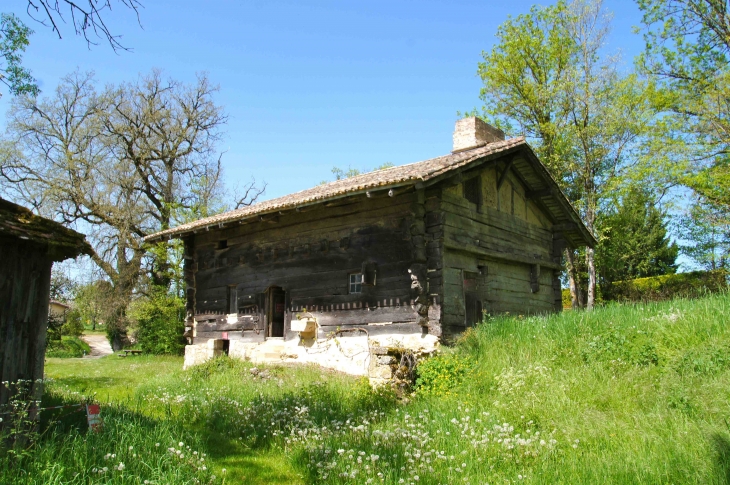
[{"x": 275, "y": 312}]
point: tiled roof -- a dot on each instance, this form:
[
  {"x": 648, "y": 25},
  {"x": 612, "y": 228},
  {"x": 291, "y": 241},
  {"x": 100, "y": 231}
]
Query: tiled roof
[{"x": 391, "y": 177}]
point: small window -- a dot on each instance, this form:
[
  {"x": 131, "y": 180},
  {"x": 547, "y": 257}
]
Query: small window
[
  {"x": 222, "y": 244},
  {"x": 473, "y": 190},
  {"x": 356, "y": 283}
]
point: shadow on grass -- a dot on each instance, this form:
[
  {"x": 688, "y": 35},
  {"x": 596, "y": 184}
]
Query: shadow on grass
[
  {"x": 246, "y": 441},
  {"x": 721, "y": 446},
  {"x": 244, "y": 466}
]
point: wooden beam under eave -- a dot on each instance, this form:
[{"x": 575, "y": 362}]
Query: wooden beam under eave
[
  {"x": 538, "y": 194},
  {"x": 503, "y": 176},
  {"x": 273, "y": 219}
]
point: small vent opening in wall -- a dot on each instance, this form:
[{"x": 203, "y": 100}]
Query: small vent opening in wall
[
  {"x": 472, "y": 190},
  {"x": 222, "y": 244}
]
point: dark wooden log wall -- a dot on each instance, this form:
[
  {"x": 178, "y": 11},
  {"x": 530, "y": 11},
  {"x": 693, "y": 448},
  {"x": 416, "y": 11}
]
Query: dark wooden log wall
[
  {"x": 310, "y": 254},
  {"x": 25, "y": 275},
  {"x": 503, "y": 246}
]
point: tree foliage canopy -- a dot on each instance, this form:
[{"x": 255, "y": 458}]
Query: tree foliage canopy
[
  {"x": 121, "y": 163},
  {"x": 14, "y": 36},
  {"x": 547, "y": 78},
  {"x": 688, "y": 53}
]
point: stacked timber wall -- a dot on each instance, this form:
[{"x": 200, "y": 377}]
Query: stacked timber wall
[
  {"x": 25, "y": 275},
  {"x": 310, "y": 254},
  {"x": 499, "y": 254}
]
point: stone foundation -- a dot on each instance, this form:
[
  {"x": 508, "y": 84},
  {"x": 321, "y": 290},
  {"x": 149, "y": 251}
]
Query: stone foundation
[{"x": 359, "y": 355}]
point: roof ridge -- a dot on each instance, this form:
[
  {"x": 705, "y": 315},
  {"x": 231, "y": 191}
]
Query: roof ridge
[{"x": 369, "y": 180}]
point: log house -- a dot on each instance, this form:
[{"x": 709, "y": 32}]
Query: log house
[{"x": 424, "y": 248}]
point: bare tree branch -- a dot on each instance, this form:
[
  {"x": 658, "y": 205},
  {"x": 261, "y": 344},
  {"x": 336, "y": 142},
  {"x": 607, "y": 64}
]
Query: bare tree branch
[{"x": 88, "y": 18}]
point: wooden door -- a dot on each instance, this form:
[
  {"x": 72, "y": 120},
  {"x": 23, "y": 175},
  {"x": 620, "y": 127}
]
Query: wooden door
[{"x": 275, "y": 312}]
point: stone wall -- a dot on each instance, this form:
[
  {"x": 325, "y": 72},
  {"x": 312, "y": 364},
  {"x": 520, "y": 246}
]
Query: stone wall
[{"x": 359, "y": 355}]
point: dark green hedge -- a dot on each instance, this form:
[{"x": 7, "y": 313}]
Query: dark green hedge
[{"x": 666, "y": 287}]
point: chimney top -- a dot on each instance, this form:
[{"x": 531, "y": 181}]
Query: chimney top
[{"x": 472, "y": 132}]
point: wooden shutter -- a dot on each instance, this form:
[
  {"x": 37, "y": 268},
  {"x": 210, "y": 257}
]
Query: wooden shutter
[{"x": 369, "y": 273}]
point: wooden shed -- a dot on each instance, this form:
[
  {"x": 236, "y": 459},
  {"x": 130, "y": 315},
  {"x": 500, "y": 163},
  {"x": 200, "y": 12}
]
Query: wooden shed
[
  {"x": 424, "y": 248},
  {"x": 29, "y": 245}
]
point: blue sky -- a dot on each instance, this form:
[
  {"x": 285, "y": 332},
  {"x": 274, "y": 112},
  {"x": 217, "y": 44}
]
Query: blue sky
[{"x": 310, "y": 85}]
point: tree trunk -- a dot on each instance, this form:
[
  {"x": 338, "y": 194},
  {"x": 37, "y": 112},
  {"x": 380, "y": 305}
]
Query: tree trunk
[
  {"x": 590, "y": 262},
  {"x": 590, "y": 259},
  {"x": 576, "y": 296}
]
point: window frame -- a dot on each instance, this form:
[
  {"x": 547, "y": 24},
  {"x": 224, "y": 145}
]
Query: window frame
[{"x": 355, "y": 284}]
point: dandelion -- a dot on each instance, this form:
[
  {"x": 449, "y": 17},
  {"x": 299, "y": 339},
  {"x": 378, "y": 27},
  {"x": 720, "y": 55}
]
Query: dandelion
[{"x": 120, "y": 467}]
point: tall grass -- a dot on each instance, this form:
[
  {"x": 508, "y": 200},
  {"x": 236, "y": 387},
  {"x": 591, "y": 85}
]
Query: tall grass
[{"x": 624, "y": 394}]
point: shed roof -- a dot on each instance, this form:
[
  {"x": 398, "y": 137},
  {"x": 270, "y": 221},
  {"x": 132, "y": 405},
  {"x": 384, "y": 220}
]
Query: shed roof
[
  {"x": 540, "y": 185},
  {"x": 17, "y": 222}
]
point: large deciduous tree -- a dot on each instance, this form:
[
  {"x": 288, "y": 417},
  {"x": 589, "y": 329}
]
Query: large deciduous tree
[
  {"x": 688, "y": 53},
  {"x": 547, "y": 78},
  {"x": 123, "y": 163}
]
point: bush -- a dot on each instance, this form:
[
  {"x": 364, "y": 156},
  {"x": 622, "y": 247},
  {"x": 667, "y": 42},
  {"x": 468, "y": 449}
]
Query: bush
[
  {"x": 666, "y": 287},
  {"x": 73, "y": 326},
  {"x": 67, "y": 347},
  {"x": 438, "y": 375},
  {"x": 160, "y": 324}
]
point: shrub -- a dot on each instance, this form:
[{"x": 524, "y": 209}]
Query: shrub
[
  {"x": 160, "y": 323},
  {"x": 441, "y": 373},
  {"x": 73, "y": 326},
  {"x": 666, "y": 287},
  {"x": 68, "y": 347},
  {"x": 629, "y": 345}
]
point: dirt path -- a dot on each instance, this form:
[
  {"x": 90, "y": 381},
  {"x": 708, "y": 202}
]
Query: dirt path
[{"x": 99, "y": 346}]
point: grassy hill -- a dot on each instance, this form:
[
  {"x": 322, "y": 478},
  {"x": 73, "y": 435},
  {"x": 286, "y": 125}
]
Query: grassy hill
[{"x": 624, "y": 394}]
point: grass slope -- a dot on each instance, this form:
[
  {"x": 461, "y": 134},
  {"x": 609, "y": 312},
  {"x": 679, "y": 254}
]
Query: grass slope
[{"x": 625, "y": 394}]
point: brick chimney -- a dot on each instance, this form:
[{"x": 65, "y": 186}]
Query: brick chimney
[{"x": 472, "y": 132}]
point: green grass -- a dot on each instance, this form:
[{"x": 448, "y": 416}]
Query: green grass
[
  {"x": 67, "y": 347},
  {"x": 625, "y": 394}
]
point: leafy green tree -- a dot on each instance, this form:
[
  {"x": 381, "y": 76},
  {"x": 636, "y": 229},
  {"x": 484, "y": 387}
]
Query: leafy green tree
[
  {"x": 92, "y": 301},
  {"x": 160, "y": 320},
  {"x": 14, "y": 36},
  {"x": 688, "y": 54},
  {"x": 706, "y": 228},
  {"x": 547, "y": 78},
  {"x": 634, "y": 241}
]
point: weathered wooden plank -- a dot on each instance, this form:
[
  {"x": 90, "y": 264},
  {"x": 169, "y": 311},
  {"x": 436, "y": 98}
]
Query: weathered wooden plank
[
  {"x": 486, "y": 231},
  {"x": 404, "y": 313},
  {"x": 372, "y": 330},
  {"x": 512, "y": 257},
  {"x": 495, "y": 218}
]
